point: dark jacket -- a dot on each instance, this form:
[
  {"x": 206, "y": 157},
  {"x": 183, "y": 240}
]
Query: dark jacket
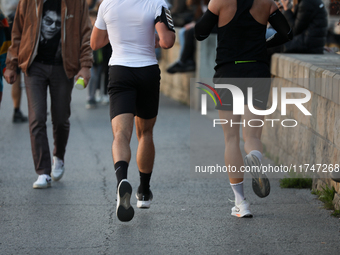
[{"x": 309, "y": 24}]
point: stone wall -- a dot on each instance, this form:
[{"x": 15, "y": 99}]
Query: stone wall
[
  {"x": 316, "y": 138},
  {"x": 175, "y": 86}
]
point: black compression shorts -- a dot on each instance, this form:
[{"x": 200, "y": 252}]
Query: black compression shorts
[
  {"x": 134, "y": 90},
  {"x": 243, "y": 75}
]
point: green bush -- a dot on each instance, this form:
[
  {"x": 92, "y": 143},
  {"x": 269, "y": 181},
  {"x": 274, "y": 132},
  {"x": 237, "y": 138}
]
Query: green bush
[{"x": 296, "y": 181}]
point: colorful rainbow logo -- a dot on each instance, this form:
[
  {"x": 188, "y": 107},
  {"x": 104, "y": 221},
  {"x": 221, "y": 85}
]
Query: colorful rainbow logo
[{"x": 209, "y": 93}]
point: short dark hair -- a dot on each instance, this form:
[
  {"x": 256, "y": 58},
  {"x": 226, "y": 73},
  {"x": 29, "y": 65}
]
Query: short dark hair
[{"x": 50, "y": 5}]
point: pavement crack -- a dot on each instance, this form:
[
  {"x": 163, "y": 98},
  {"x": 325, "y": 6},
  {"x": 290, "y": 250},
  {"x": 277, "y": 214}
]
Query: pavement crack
[
  {"x": 110, "y": 231},
  {"x": 111, "y": 212},
  {"x": 104, "y": 188}
]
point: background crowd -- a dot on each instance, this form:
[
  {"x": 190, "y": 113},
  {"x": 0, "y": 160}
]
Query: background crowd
[{"x": 309, "y": 19}]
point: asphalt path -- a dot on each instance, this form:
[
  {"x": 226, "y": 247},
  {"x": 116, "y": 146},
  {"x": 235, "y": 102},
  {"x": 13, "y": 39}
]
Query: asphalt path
[{"x": 190, "y": 213}]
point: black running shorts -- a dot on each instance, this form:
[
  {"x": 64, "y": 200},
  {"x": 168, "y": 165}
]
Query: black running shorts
[
  {"x": 134, "y": 90},
  {"x": 243, "y": 75}
]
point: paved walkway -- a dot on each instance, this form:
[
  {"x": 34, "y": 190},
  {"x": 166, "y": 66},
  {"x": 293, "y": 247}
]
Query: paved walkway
[{"x": 189, "y": 215}]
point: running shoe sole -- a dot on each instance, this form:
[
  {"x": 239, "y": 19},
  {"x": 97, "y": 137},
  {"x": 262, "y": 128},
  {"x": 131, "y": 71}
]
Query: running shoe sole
[
  {"x": 45, "y": 186},
  {"x": 42, "y": 187},
  {"x": 246, "y": 214},
  {"x": 124, "y": 209},
  {"x": 260, "y": 181}
]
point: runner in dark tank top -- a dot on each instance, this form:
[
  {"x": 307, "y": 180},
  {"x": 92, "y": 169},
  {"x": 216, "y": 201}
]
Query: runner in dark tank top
[{"x": 242, "y": 53}]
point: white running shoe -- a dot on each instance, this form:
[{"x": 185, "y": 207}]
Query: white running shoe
[
  {"x": 57, "y": 169},
  {"x": 260, "y": 181},
  {"x": 43, "y": 182},
  {"x": 124, "y": 210},
  {"x": 105, "y": 100},
  {"x": 242, "y": 210}
]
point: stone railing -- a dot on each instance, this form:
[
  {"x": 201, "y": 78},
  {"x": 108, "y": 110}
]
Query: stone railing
[
  {"x": 175, "y": 86},
  {"x": 316, "y": 138}
]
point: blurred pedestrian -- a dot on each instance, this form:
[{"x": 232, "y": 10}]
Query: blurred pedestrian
[
  {"x": 186, "y": 61},
  {"x": 102, "y": 87},
  {"x": 181, "y": 13},
  {"x": 51, "y": 44},
  {"x": 96, "y": 71},
  {"x": 9, "y": 8},
  {"x": 134, "y": 80},
  {"x": 5, "y": 42},
  {"x": 309, "y": 23}
]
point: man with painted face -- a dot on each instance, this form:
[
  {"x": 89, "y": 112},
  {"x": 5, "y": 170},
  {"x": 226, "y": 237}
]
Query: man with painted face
[{"x": 51, "y": 44}]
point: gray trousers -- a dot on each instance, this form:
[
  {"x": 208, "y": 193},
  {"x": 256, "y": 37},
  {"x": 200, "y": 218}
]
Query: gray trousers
[
  {"x": 95, "y": 81},
  {"x": 39, "y": 78}
]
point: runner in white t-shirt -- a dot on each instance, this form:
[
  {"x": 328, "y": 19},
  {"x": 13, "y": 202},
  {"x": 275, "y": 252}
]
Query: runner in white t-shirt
[{"x": 129, "y": 26}]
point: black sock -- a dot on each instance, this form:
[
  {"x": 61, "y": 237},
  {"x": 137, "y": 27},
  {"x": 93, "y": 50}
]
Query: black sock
[
  {"x": 144, "y": 182},
  {"x": 16, "y": 110},
  {"x": 121, "y": 168}
]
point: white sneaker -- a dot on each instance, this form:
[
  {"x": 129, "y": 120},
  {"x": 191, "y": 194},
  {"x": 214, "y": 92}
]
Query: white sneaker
[
  {"x": 105, "y": 100},
  {"x": 242, "y": 210},
  {"x": 43, "y": 182},
  {"x": 98, "y": 96},
  {"x": 57, "y": 169}
]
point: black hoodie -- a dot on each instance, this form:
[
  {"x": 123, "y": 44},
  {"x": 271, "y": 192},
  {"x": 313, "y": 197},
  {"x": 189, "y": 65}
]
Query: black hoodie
[{"x": 309, "y": 24}]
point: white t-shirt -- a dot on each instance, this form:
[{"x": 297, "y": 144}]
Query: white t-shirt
[{"x": 130, "y": 25}]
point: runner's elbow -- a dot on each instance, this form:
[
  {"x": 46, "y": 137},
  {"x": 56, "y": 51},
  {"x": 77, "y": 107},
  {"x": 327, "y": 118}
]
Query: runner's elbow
[
  {"x": 168, "y": 42},
  {"x": 93, "y": 45}
]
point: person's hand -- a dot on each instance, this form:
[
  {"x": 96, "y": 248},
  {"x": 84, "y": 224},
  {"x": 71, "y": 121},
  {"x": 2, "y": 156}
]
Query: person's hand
[
  {"x": 286, "y": 4},
  {"x": 189, "y": 25},
  {"x": 84, "y": 72},
  {"x": 10, "y": 76},
  {"x": 279, "y": 5}
]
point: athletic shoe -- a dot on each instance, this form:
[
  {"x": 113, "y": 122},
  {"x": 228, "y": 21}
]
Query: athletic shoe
[
  {"x": 260, "y": 182},
  {"x": 124, "y": 209},
  {"x": 91, "y": 104},
  {"x": 98, "y": 97},
  {"x": 43, "y": 182},
  {"x": 242, "y": 210},
  {"x": 57, "y": 169},
  {"x": 180, "y": 67},
  {"x": 335, "y": 176},
  {"x": 144, "y": 199},
  {"x": 105, "y": 100},
  {"x": 18, "y": 117}
]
